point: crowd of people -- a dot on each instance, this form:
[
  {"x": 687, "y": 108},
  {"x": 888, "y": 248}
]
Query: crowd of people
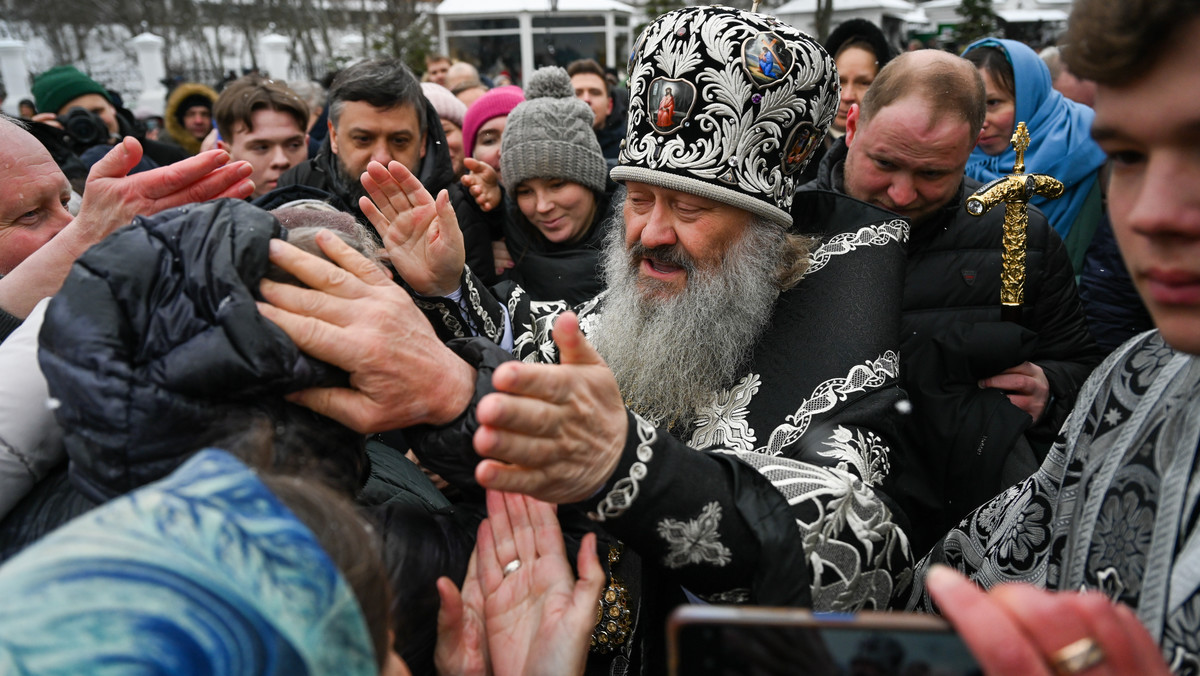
[{"x": 443, "y": 375}]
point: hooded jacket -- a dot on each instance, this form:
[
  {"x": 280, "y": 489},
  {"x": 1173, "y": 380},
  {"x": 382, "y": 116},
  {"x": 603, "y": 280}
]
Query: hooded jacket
[
  {"x": 155, "y": 341},
  {"x": 436, "y": 173},
  {"x": 951, "y": 337},
  {"x": 178, "y": 133}
]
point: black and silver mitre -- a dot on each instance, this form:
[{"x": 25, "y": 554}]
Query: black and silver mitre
[{"x": 728, "y": 105}]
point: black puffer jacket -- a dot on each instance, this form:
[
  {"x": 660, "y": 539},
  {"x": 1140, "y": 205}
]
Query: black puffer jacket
[
  {"x": 951, "y": 336},
  {"x": 155, "y": 340},
  {"x": 436, "y": 173}
]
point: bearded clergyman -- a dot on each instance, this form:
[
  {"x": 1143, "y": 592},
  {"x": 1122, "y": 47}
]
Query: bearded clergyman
[{"x": 732, "y": 432}]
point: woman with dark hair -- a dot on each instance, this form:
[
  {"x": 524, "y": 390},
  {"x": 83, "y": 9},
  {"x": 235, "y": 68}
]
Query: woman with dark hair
[
  {"x": 1019, "y": 89},
  {"x": 859, "y": 50}
]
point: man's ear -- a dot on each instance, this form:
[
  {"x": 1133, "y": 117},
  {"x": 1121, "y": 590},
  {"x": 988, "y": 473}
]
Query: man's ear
[
  {"x": 852, "y": 117},
  {"x": 332, "y": 136},
  {"x": 423, "y": 143},
  {"x": 610, "y": 104}
]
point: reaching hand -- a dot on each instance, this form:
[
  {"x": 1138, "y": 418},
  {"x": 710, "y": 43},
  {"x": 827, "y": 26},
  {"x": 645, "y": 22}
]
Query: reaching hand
[
  {"x": 483, "y": 183},
  {"x": 539, "y": 617},
  {"x": 112, "y": 197},
  {"x": 462, "y": 647},
  {"x": 1026, "y": 387},
  {"x": 553, "y": 431},
  {"x": 421, "y": 234},
  {"x": 356, "y": 318},
  {"x": 1019, "y": 630},
  {"x": 502, "y": 257}
]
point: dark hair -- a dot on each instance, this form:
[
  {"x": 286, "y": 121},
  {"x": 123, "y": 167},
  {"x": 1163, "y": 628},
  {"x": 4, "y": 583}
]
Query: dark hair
[
  {"x": 588, "y": 66},
  {"x": 1113, "y": 43},
  {"x": 995, "y": 61},
  {"x": 419, "y": 546},
  {"x": 382, "y": 83},
  {"x": 274, "y": 435},
  {"x": 858, "y": 43},
  {"x": 247, "y": 95},
  {"x": 351, "y": 543},
  {"x": 950, "y": 85}
]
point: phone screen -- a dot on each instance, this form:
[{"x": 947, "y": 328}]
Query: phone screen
[{"x": 721, "y": 641}]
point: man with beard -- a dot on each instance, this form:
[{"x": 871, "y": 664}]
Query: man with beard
[
  {"x": 377, "y": 113},
  {"x": 731, "y": 429}
]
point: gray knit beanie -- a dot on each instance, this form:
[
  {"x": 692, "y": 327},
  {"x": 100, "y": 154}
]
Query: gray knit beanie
[{"x": 550, "y": 135}]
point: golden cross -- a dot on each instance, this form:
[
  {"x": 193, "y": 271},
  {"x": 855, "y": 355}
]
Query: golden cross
[
  {"x": 1020, "y": 141},
  {"x": 1014, "y": 191}
]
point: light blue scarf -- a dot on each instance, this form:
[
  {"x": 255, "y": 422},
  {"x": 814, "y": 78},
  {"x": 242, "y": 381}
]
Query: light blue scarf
[
  {"x": 202, "y": 573},
  {"x": 1060, "y": 131}
]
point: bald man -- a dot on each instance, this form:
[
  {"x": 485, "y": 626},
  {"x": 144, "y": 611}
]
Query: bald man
[
  {"x": 39, "y": 239},
  {"x": 988, "y": 396}
]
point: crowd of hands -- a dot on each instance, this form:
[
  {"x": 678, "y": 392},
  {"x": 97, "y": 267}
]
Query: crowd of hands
[{"x": 538, "y": 618}]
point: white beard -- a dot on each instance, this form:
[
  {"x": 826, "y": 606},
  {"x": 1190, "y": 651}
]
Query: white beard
[{"x": 672, "y": 355}]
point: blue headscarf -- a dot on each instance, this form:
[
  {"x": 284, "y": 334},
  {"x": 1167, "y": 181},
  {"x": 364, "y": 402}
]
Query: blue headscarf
[
  {"x": 203, "y": 572},
  {"x": 1060, "y": 132}
]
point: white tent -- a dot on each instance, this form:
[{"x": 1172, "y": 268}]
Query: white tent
[
  {"x": 894, "y": 17},
  {"x": 534, "y": 32}
]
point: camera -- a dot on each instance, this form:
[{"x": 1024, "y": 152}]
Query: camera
[{"x": 85, "y": 128}]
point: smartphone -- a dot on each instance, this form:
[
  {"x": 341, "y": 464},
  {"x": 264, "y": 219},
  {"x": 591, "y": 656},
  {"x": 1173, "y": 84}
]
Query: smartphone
[{"x": 755, "y": 641}]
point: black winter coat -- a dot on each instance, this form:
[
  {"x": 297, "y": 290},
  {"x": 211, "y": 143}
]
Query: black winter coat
[
  {"x": 436, "y": 173},
  {"x": 1115, "y": 311},
  {"x": 155, "y": 341},
  {"x": 969, "y": 440}
]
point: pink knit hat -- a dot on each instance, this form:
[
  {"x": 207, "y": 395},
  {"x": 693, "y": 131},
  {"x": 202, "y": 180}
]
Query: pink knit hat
[
  {"x": 496, "y": 103},
  {"x": 447, "y": 105}
]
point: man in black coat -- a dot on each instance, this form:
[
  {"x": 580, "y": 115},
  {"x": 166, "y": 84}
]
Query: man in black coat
[
  {"x": 377, "y": 112},
  {"x": 988, "y": 396}
]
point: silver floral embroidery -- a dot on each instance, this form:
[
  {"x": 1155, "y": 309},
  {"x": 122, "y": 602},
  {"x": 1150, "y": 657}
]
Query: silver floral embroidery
[
  {"x": 857, "y": 552},
  {"x": 625, "y": 490},
  {"x": 695, "y": 541},
  {"x": 534, "y": 343},
  {"x": 862, "y": 377},
  {"x": 846, "y": 242},
  {"x": 863, "y": 453},
  {"x": 490, "y": 331},
  {"x": 447, "y": 318},
  {"x": 724, "y": 422},
  {"x": 736, "y": 137}
]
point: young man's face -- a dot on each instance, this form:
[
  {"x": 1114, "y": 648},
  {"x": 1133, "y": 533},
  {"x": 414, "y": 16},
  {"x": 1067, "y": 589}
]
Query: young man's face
[
  {"x": 593, "y": 90},
  {"x": 436, "y": 70},
  {"x": 274, "y": 145},
  {"x": 1150, "y": 129},
  {"x": 198, "y": 121}
]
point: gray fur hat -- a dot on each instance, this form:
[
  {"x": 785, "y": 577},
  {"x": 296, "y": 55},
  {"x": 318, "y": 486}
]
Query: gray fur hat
[{"x": 550, "y": 135}]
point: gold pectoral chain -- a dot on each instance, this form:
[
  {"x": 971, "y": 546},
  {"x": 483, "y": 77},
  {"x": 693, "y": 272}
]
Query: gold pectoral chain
[{"x": 613, "y": 619}]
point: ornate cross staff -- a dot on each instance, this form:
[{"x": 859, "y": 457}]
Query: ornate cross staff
[{"x": 1015, "y": 191}]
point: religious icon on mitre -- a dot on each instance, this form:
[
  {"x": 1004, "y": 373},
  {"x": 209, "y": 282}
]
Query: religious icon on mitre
[
  {"x": 670, "y": 103},
  {"x": 799, "y": 146},
  {"x": 766, "y": 58}
]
